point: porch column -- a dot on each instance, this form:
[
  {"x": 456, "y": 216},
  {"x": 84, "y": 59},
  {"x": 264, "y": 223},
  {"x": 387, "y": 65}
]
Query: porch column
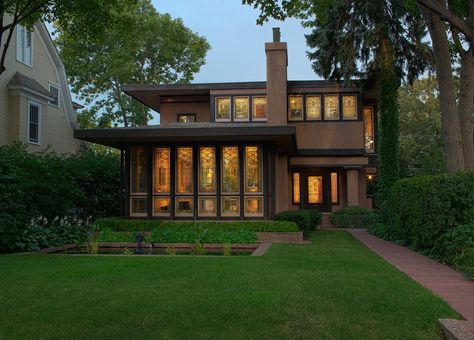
[{"x": 352, "y": 188}]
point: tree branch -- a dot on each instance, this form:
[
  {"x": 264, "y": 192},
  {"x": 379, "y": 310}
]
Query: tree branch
[
  {"x": 7, "y": 42},
  {"x": 446, "y": 15}
]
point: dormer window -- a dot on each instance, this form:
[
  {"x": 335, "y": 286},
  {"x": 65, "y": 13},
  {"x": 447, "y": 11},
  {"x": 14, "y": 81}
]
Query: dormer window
[
  {"x": 313, "y": 107},
  {"x": 295, "y": 108},
  {"x": 331, "y": 107},
  {"x": 349, "y": 107},
  {"x": 241, "y": 108},
  {"x": 186, "y": 117},
  {"x": 223, "y": 109},
  {"x": 23, "y": 45}
]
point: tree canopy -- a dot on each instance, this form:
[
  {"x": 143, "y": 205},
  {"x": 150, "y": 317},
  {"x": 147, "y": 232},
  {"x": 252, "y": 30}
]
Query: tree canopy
[
  {"x": 141, "y": 47},
  {"x": 86, "y": 16}
]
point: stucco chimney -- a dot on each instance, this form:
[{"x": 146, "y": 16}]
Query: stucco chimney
[{"x": 277, "y": 62}]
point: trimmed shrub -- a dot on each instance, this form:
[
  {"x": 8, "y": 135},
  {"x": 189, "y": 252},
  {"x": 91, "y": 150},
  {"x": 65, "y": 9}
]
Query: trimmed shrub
[
  {"x": 306, "y": 220},
  {"x": 118, "y": 224},
  {"x": 353, "y": 217}
]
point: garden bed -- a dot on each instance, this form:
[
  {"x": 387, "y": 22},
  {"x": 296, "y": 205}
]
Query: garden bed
[{"x": 127, "y": 248}]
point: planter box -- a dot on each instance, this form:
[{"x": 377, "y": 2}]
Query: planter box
[{"x": 272, "y": 237}]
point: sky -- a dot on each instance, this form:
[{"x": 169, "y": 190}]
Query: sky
[{"x": 237, "y": 42}]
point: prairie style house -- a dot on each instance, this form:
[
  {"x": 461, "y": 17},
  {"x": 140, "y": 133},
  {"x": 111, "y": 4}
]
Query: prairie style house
[
  {"x": 35, "y": 101},
  {"x": 246, "y": 150}
]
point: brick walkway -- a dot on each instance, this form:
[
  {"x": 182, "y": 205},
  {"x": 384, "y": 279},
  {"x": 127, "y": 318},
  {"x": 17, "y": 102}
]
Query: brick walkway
[{"x": 442, "y": 280}]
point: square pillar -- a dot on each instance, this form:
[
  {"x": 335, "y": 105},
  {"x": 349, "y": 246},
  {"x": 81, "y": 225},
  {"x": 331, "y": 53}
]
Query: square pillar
[{"x": 352, "y": 188}]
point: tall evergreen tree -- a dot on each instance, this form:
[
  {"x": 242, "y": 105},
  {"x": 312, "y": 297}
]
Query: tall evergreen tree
[{"x": 379, "y": 41}]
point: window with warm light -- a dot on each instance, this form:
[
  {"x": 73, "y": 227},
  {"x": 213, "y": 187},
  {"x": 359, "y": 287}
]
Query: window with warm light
[
  {"x": 296, "y": 188},
  {"x": 253, "y": 206},
  {"x": 349, "y": 107},
  {"x": 207, "y": 206},
  {"x": 259, "y": 108},
  {"x": 186, "y": 117},
  {"x": 207, "y": 170},
  {"x": 313, "y": 107},
  {"x": 334, "y": 188},
  {"x": 161, "y": 171},
  {"x": 139, "y": 171},
  {"x": 161, "y": 206},
  {"x": 230, "y": 170},
  {"x": 253, "y": 169},
  {"x": 223, "y": 109},
  {"x": 138, "y": 206},
  {"x": 184, "y": 206},
  {"x": 295, "y": 108},
  {"x": 331, "y": 107},
  {"x": 369, "y": 129},
  {"x": 241, "y": 108},
  {"x": 315, "y": 189},
  {"x": 184, "y": 170},
  {"x": 230, "y": 206}
]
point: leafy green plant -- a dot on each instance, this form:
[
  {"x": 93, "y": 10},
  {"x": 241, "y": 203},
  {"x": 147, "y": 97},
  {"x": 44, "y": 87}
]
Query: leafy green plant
[
  {"x": 353, "y": 217},
  {"x": 170, "y": 251},
  {"x": 199, "y": 249},
  {"x": 226, "y": 249},
  {"x": 127, "y": 251},
  {"x": 305, "y": 220}
]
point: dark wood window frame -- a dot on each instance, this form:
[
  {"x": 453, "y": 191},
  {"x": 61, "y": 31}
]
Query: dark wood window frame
[
  {"x": 232, "y": 97},
  {"x": 179, "y": 115}
]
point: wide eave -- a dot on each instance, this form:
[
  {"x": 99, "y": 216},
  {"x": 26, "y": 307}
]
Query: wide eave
[{"x": 282, "y": 136}]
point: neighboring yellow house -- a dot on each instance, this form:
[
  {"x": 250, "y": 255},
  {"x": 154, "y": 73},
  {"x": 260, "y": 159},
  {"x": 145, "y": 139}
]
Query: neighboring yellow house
[{"x": 35, "y": 101}]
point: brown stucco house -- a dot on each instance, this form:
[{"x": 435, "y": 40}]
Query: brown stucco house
[
  {"x": 246, "y": 150},
  {"x": 35, "y": 101}
]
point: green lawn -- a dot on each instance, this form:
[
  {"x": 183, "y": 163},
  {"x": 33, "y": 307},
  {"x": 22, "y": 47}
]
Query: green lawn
[{"x": 334, "y": 288}]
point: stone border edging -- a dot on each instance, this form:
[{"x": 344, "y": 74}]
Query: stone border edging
[{"x": 457, "y": 329}]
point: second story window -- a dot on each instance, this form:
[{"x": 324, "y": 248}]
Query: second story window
[
  {"x": 259, "y": 108},
  {"x": 223, "y": 109},
  {"x": 369, "y": 129},
  {"x": 186, "y": 117},
  {"x": 241, "y": 108},
  {"x": 349, "y": 107},
  {"x": 23, "y": 45},
  {"x": 55, "y": 94},
  {"x": 295, "y": 108},
  {"x": 313, "y": 107},
  {"x": 331, "y": 107}
]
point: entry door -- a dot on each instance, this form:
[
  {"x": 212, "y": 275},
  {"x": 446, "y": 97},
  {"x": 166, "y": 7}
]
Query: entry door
[{"x": 316, "y": 191}]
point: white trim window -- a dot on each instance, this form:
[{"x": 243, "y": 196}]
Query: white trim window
[
  {"x": 34, "y": 122},
  {"x": 54, "y": 89},
  {"x": 24, "y": 45}
]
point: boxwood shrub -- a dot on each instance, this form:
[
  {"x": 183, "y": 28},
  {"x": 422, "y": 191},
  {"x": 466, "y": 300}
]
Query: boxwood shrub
[
  {"x": 118, "y": 224},
  {"x": 306, "y": 220},
  {"x": 353, "y": 217}
]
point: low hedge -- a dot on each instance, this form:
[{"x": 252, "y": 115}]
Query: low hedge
[
  {"x": 353, "y": 217},
  {"x": 306, "y": 220},
  {"x": 118, "y": 224},
  {"x": 183, "y": 234}
]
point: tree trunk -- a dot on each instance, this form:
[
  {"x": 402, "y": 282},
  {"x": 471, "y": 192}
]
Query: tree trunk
[
  {"x": 465, "y": 107},
  {"x": 447, "y": 99}
]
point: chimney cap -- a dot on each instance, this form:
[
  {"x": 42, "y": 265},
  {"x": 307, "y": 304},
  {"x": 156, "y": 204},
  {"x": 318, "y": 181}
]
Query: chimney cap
[{"x": 276, "y": 34}]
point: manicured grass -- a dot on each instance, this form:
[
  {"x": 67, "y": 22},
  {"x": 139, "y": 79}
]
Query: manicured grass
[{"x": 334, "y": 289}]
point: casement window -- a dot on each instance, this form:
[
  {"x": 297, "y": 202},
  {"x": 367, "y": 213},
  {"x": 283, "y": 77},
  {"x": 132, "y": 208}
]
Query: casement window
[
  {"x": 55, "y": 94},
  {"x": 296, "y": 188},
  {"x": 334, "y": 188},
  {"x": 253, "y": 181},
  {"x": 161, "y": 181},
  {"x": 139, "y": 182},
  {"x": 259, "y": 108},
  {"x": 186, "y": 117},
  {"x": 369, "y": 129},
  {"x": 184, "y": 170},
  {"x": 184, "y": 206},
  {"x": 253, "y": 206},
  {"x": 313, "y": 107},
  {"x": 230, "y": 170},
  {"x": 207, "y": 206},
  {"x": 241, "y": 108},
  {"x": 223, "y": 109},
  {"x": 295, "y": 108},
  {"x": 24, "y": 45},
  {"x": 230, "y": 206},
  {"x": 207, "y": 170},
  {"x": 349, "y": 107},
  {"x": 34, "y": 121},
  {"x": 331, "y": 107}
]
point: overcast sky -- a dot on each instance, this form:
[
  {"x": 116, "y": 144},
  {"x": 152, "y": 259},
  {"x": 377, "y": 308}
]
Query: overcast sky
[{"x": 237, "y": 42}]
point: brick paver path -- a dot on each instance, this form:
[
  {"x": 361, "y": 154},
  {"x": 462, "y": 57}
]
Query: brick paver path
[{"x": 442, "y": 280}]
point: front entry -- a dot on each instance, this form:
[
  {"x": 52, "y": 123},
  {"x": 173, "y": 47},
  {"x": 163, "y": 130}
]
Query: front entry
[{"x": 316, "y": 188}]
